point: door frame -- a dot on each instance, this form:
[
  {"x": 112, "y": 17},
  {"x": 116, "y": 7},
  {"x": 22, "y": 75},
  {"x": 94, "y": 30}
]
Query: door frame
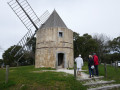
[{"x": 64, "y": 59}]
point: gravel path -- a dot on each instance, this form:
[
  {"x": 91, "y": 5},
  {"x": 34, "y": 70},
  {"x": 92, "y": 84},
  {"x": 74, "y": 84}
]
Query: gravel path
[{"x": 83, "y": 75}]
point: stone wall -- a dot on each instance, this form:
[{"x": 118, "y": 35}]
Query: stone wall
[{"x": 48, "y": 44}]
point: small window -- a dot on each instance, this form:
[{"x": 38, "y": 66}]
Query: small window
[{"x": 60, "y": 34}]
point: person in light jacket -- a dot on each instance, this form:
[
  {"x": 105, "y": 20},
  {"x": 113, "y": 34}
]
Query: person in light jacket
[{"x": 79, "y": 62}]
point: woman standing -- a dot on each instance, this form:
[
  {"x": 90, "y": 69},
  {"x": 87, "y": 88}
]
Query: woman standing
[{"x": 91, "y": 66}]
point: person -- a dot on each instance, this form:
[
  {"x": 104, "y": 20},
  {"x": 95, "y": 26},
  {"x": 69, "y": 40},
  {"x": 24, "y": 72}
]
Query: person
[
  {"x": 79, "y": 62},
  {"x": 95, "y": 58},
  {"x": 91, "y": 65}
]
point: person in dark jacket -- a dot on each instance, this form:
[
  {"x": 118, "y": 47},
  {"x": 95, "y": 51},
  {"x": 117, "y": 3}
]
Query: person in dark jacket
[
  {"x": 91, "y": 66},
  {"x": 95, "y": 58}
]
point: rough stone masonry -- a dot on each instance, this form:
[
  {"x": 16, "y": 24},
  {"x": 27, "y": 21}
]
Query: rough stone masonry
[{"x": 54, "y": 44}]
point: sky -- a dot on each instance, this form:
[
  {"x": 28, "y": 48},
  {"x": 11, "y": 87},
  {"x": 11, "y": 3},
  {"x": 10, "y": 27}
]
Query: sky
[{"x": 81, "y": 16}]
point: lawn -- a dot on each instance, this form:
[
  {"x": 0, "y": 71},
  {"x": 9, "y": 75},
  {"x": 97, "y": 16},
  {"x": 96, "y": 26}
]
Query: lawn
[
  {"x": 112, "y": 72},
  {"x": 30, "y": 78},
  {"x": 25, "y": 78}
]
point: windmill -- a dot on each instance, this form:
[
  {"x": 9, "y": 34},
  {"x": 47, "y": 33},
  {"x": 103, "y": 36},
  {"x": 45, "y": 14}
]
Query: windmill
[{"x": 31, "y": 21}]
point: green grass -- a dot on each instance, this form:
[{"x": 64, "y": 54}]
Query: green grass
[
  {"x": 25, "y": 78},
  {"x": 85, "y": 66},
  {"x": 30, "y": 78},
  {"x": 112, "y": 72}
]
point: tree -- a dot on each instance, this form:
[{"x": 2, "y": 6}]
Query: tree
[
  {"x": 102, "y": 41},
  {"x": 115, "y": 45},
  {"x": 32, "y": 47},
  {"x": 8, "y": 58},
  {"x": 76, "y": 43},
  {"x": 1, "y": 62},
  {"x": 84, "y": 45}
]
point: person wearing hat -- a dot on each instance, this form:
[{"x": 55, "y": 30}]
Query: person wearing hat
[
  {"x": 96, "y": 63},
  {"x": 79, "y": 62}
]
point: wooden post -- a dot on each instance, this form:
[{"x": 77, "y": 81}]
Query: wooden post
[
  {"x": 74, "y": 70},
  {"x": 116, "y": 65},
  {"x": 105, "y": 70},
  {"x": 111, "y": 63},
  {"x": 7, "y": 73}
]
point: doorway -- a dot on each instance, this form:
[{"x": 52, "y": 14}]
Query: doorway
[{"x": 61, "y": 60}]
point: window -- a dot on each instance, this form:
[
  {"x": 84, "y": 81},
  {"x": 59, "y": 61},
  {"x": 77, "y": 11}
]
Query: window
[{"x": 60, "y": 34}]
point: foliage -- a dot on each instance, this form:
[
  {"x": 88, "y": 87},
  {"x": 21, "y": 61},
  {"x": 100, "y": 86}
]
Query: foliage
[
  {"x": 32, "y": 47},
  {"x": 102, "y": 41},
  {"x": 115, "y": 45},
  {"x": 27, "y": 59},
  {"x": 84, "y": 45},
  {"x": 32, "y": 43},
  {"x": 1, "y": 62},
  {"x": 111, "y": 57},
  {"x": 113, "y": 48},
  {"x": 9, "y": 58},
  {"x": 29, "y": 78}
]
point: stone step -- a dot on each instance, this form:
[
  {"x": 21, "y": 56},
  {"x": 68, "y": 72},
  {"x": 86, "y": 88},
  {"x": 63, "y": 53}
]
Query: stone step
[
  {"x": 95, "y": 83},
  {"x": 106, "y": 87},
  {"x": 87, "y": 79}
]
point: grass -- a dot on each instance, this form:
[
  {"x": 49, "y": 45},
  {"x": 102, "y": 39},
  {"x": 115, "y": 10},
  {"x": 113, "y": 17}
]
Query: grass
[
  {"x": 30, "y": 78},
  {"x": 25, "y": 78},
  {"x": 112, "y": 72}
]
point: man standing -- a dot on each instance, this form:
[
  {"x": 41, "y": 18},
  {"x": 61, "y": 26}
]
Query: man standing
[
  {"x": 95, "y": 57},
  {"x": 79, "y": 62}
]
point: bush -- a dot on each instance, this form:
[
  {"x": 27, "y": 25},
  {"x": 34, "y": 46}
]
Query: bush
[{"x": 111, "y": 57}]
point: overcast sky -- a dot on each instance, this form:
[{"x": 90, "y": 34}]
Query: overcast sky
[{"x": 82, "y": 16}]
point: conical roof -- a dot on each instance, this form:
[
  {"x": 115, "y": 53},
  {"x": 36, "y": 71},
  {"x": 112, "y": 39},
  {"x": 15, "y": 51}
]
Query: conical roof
[{"x": 54, "y": 21}]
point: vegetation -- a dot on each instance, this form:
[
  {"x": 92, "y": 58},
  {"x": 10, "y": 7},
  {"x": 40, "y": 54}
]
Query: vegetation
[
  {"x": 1, "y": 62},
  {"x": 107, "y": 50},
  {"x": 29, "y": 78},
  {"x": 112, "y": 72},
  {"x": 9, "y": 58},
  {"x": 84, "y": 45},
  {"x": 27, "y": 59},
  {"x": 114, "y": 44}
]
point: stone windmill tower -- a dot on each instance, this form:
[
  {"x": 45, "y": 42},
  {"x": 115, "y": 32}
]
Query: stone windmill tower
[{"x": 54, "y": 44}]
